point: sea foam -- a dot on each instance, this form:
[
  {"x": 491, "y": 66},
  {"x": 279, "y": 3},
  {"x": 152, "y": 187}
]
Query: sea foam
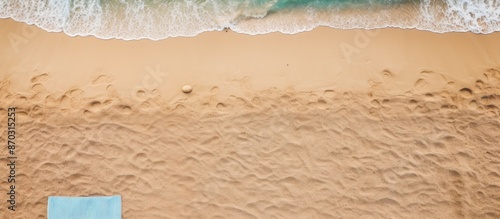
[{"x": 160, "y": 19}]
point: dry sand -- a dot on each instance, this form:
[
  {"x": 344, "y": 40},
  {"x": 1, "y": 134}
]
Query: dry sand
[{"x": 277, "y": 126}]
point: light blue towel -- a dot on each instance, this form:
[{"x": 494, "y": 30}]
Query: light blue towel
[{"x": 109, "y": 207}]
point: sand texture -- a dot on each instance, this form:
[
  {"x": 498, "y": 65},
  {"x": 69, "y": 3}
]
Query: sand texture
[
  {"x": 414, "y": 139},
  {"x": 270, "y": 154}
]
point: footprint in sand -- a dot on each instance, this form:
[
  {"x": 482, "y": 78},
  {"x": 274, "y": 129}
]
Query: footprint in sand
[
  {"x": 487, "y": 99},
  {"x": 64, "y": 102},
  {"x": 72, "y": 99},
  {"x": 473, "y": 105},
  {"x": 36, "y": 110},
  {"x": 111, "y": 90},
  {"x": 384, "y": 80},
  {"x": 221, "y": 106},
  {"x": 36, "y": 88},
  {"x": 214, "y": 90},
  {"x": 40, "y": 78},
  {"x": 50, "y": 100},
  {"x": 94, "y": 106},
  {"x": 107, "y": 103},
  {"x": 386, "y": 75},
  {"x": 322, "y": 104},
  {"x": 145, "y": 105},
  {"x": 466, "y": 93},
  {"x": 76, "y": 93},
  {"x": 101, "y": 79},
  {"x": 141, "y": 94},
  {"x": 430, "y": 81},
  {"x": 124, "y": 109},
  {"x": 493, "y": 76},
  {"x": 479, "y": 84}
]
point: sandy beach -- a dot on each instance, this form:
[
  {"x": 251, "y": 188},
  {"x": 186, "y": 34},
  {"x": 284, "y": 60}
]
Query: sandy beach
[{"x": 330, "y": 123}]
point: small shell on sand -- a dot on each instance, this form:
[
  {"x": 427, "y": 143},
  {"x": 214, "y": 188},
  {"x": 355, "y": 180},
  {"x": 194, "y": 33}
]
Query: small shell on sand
[{"x": 187, "y": 89}]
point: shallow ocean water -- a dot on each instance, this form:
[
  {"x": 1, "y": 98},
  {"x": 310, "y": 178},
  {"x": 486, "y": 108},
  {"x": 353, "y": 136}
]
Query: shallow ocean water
[{"x": 155, "y": 19}]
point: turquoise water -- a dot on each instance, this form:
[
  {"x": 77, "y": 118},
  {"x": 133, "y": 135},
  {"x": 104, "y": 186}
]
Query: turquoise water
[
  {"x": 159, "y": 19},
  {"x": 285, "y": 4}
]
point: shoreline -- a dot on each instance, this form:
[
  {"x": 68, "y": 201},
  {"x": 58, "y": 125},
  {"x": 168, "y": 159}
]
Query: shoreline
[
  {"x": 342, "y": 60},
  {"x": 437, "y": 17}
]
